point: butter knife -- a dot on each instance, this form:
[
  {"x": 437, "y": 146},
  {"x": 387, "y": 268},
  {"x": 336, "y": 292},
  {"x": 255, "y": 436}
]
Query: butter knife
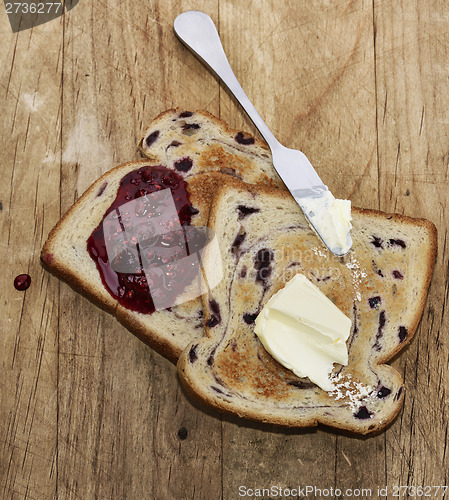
[{"x": 330, "y": 218}]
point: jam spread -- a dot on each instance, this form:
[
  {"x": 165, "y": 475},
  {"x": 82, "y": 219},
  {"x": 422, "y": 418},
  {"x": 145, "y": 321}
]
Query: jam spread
[{"x": 160, "y": 253}]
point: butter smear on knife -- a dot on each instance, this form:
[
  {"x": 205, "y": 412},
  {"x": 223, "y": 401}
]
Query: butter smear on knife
[
  {"x": 332, "y": 217},
  {"x": 304, "y": 331}
]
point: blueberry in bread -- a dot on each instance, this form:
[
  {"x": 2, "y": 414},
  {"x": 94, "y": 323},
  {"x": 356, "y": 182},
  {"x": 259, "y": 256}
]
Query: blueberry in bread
[{"x": 380, "y": 285}]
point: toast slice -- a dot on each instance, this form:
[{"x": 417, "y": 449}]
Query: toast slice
[
  {"x": 381, "y": 285},
  {"x": 198, "y": 142},
  {"x": 207, "y": 154}
]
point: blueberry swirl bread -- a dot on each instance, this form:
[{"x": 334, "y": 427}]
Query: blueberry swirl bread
[
  {"x": 380, "y": 285},
  {"x": 190, "y": 150},
  {"x": 196, "y": 142}
]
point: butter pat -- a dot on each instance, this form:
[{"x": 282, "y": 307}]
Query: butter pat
[
  {"x": 332, "y": 217},
  {"x": 304, "y": 331}
]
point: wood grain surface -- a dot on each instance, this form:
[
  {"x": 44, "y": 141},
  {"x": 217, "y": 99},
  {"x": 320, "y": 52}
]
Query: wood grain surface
[{"x": 87, "y": 410}]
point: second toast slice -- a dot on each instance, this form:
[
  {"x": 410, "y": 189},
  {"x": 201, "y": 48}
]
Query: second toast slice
[{"x": 381, "y": 285}]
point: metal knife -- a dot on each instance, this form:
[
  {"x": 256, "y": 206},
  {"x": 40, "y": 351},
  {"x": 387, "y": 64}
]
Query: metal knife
[{"x": 197, "y": 31}]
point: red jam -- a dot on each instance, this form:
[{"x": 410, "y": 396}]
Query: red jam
[
  {"x": 22, "y": 282},
  {"x": 132, "y": 290}
]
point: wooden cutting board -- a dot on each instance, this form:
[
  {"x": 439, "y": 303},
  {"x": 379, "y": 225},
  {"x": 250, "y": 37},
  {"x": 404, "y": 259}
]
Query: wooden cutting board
[{"x": 87, "y": 410}]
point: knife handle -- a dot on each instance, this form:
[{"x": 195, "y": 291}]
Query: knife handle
[{"x": 198, "y": 32}]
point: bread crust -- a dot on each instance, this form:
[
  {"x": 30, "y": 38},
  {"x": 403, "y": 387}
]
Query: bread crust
[{"x": 217, "y": 405}]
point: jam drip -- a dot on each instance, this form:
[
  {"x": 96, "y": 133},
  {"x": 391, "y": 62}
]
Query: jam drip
[
  {"x": 22, "y": 282},
  {"x": 131, "y": 289}
]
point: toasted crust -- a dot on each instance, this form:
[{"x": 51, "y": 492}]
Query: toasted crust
[{"x": 208, "y": 401}]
